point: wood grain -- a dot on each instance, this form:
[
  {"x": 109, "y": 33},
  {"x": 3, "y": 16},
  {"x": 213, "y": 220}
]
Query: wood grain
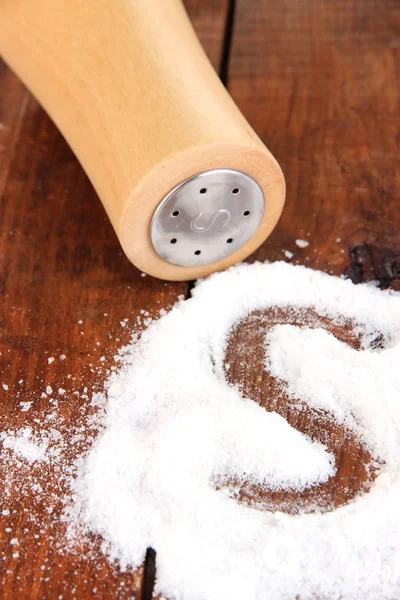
[
  {"x": 319, "y": 83},
  {"x": 356, "y": 467},
  {"x": 61, "y": 264}
]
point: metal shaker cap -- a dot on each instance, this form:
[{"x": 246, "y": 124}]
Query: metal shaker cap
[{"x": 207, "y": 217}]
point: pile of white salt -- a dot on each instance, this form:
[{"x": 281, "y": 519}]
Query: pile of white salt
[{"x": 173, "y": 425}]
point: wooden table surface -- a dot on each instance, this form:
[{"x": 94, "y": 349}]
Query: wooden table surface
[{"x": 318, "y": 81}]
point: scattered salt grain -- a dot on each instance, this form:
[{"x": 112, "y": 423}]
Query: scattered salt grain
[
  {"x": 288, "y": 254},
  {"x": 98, "y": 399},
  {"x": 302, "y": 243},
  {"x": 5, "y": 386},
  {"x": 5, "y": 512},
  {"x": 50, "y": 359},
  {"x": 25, "y": 406},
  {"x": 173, "y": 425},
  {"x": 24, "y": 444},
  {"x": 14, "y": 542},
  {"x": 49, "y": 390},
  {"x": 62, "y": 357}
]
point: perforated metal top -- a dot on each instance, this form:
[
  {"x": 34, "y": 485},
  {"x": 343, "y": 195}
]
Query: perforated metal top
[{"x": 207, "y": 217}]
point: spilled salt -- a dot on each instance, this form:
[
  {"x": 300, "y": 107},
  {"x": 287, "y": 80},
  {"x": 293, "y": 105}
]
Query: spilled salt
[
  {"x": 302, "y": 243},
  {"x": 173, "y": 425},
  {"x": 24, "y": 444}
]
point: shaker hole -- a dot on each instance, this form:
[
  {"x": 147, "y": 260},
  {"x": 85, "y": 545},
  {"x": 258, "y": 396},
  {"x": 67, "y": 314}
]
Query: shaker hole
[
  {"x": 203, "y": 190},
  {"x": 173, "y": 241},
  {"x": 175, "y": 213},
  {"x": 235, "y": 191},
  {"x": 229, "y": 240},
  {"x": 246, "y": 213},
  {"x": 197, "y": 252}
]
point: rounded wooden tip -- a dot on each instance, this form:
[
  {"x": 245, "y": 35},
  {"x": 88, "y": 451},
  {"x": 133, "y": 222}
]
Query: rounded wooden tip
[{"x": 135, "y": 223}]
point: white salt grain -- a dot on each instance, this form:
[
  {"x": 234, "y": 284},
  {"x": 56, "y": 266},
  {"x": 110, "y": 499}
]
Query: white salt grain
[
  {"x": 173, "y": 425},
  {"x": 288, "y": 254},
  {"x": 49, "y": 390},
  {"x": 50, "y": 360},
  {"x": 25, "y": 406},
  {"x": 302, "y": 243},
  {"x": 5, "y": 386},
  {"x": 25, "y": 445}
]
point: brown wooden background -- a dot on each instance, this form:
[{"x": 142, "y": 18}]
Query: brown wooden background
[{"x": 318, "y": 80}]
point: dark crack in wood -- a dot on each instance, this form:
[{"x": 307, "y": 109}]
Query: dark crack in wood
[{"x": 370, "y": 263}]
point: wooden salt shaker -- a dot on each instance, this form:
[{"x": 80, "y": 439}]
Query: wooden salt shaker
[{"x": 188, "y": 186}]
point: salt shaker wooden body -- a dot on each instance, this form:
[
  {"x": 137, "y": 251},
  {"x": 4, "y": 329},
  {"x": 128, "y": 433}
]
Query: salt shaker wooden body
[{"x": 133, "y": 93}]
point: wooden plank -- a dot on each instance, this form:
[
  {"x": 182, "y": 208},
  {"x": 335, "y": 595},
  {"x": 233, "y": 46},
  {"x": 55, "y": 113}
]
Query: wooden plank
[
  {"x": 209, "y": 21},
  {"x": 66, "y": 288},
  {"x": 318, "y": 82}
]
